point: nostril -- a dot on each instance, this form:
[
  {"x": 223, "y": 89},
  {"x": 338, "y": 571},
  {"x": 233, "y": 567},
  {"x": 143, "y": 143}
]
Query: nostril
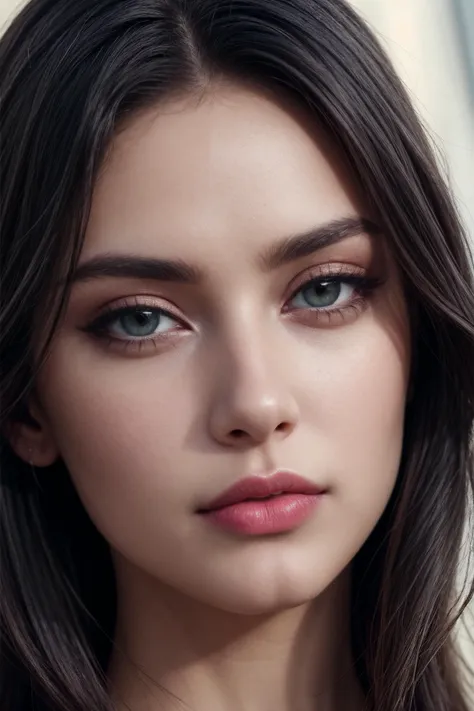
[{"x": 238, "y": 434}]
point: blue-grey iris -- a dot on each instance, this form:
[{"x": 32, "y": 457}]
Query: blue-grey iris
[
  {"x": 321, "y": 294},
  {"x": 140, "y": 323}
]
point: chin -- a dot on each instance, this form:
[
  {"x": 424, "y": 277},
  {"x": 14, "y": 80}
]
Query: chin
[
  {"x": 260, "y": 594},
  {"x": 256, "y": 607},
  {"x": 254, "y": 604}
]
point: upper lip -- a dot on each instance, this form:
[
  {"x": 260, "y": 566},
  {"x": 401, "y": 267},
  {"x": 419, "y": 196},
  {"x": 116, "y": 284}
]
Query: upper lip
[{"x": 256, "y": 487}]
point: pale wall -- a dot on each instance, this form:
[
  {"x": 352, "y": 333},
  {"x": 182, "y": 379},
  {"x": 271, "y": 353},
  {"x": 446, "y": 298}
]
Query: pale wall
[{"x": 423, "y": 39}]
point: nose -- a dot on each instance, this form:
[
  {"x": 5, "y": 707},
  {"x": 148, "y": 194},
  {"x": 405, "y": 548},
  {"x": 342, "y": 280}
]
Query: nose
[{"x": 252, "y": 401}]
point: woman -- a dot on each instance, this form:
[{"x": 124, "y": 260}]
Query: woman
[{"x": 237, "y": 345}]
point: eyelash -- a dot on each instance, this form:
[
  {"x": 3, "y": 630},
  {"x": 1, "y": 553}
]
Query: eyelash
[{"x": 362, "y": 285}]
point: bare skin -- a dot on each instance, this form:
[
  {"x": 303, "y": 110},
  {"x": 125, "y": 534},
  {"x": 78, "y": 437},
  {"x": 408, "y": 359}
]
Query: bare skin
[{"x": 242, "y": 375}]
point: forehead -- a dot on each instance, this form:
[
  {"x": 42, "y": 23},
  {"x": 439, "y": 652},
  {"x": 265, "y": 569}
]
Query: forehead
[{"x": 228, "y": 175}]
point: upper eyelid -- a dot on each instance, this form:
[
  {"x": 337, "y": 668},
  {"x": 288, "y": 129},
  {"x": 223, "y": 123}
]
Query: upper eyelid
[
  {"x": 139, "y": 301},
  {"x": 308, "y": 274},
  {"x": 335, "y": 270}
]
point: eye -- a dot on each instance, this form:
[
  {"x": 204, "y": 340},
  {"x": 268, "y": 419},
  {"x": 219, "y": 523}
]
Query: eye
[
  {"x": 325, "y": 293},
  {"x": 328, "y": 293},
  {"x": 134, "y": 323},
  {"x": 332, "y": 298},
  {"x": 140, "y": 323}
]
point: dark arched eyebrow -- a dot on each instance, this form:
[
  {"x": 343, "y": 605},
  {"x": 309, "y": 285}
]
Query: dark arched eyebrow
[
  {"x": 287, "y": 250},
  {"x": 302, "y": 245}
]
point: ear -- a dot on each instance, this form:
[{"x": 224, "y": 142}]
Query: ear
[{"x": 31, "y": 437}]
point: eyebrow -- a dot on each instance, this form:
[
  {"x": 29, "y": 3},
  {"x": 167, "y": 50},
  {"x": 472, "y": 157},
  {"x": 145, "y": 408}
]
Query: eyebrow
[
  {"x": 302, "y": 245},
  {"x": 287, "y": 250}
]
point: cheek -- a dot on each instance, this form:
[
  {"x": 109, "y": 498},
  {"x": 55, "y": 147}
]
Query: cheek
[
  {"x": 121, "y": 428},
  {"x": 355, "y": 409},
  {"x": 363, "y": 392}
]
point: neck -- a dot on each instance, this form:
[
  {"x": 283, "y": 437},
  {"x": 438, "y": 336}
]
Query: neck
[{"x": 169, "y": 646}]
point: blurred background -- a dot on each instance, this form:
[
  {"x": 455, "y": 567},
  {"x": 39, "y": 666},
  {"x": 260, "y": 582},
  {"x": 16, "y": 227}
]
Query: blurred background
[{"x": 432, "y": 45}]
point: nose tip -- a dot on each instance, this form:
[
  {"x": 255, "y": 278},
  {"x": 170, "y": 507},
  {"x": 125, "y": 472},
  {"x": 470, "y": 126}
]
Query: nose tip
[{"x": 255, "y": 421}]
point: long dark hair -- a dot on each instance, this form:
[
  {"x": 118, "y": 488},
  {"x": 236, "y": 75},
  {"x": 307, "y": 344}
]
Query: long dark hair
[{"x": 70, "y": 74}]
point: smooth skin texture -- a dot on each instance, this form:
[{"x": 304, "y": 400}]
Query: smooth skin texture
[{"x": 250, "y": 376}]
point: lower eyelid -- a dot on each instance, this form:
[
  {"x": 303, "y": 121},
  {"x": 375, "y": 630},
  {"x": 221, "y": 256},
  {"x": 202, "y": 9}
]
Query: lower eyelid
[
  {"x": 146, "y": 344},
  {"x": 329, "y": 316}
]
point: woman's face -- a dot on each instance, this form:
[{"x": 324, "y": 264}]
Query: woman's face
[{"x": 241, "y": 366}]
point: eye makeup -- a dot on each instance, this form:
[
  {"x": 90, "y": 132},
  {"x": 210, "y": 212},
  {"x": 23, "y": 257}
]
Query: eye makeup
[{"x": 323, "y": 296}]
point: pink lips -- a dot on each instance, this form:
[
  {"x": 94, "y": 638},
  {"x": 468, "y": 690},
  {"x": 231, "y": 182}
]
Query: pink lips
[{"x": 243, "y": 509}]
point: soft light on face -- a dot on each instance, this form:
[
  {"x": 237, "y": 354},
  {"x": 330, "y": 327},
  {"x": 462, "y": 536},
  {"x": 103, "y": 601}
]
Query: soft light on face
[{"x": 245, "y": 366}]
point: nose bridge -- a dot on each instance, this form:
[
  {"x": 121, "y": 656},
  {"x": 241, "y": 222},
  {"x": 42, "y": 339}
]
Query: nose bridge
[
  {"x": 252, "y": 397},
  {"x": 252, "y": 372}
]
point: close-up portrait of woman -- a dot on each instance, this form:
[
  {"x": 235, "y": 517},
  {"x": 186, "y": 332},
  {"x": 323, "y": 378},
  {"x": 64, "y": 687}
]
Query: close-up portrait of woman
[{"x": 237, "y": 366}]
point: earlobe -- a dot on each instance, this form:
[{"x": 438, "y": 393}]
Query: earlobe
[{"x": 32, "y": 439}]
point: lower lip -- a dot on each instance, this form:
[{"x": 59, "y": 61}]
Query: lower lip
[{"x": 263, "y": 516}]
